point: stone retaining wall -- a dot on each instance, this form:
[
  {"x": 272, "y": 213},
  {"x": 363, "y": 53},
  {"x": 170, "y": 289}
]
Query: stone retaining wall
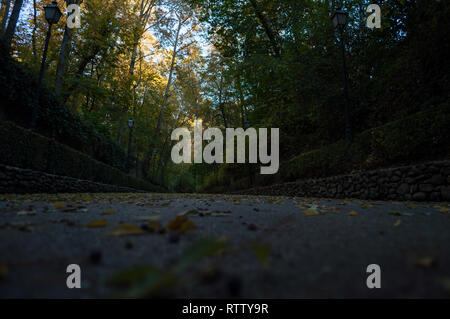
[
  {"x": 422, "y": 182},
  {"x": 23, "y": 181}
]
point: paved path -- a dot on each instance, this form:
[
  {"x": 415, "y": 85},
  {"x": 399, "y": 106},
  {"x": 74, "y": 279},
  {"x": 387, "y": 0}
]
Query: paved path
[{"x": 257, "y": 247}]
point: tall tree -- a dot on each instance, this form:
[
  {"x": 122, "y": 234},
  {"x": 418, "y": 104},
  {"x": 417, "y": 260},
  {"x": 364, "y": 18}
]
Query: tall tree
[
  {"x": 64, "y": 52},
  {"x": 11, "y": 28},
  {"x": 6, "y": 6}
]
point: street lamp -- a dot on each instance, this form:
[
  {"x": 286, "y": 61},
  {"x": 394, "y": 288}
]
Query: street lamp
[
  {"x": 339, "y": 20},
  {"x": 52, "y": 15}
]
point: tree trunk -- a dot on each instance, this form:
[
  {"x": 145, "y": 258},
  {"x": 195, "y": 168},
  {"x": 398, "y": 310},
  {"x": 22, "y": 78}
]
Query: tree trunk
[
  {"x": 64, "y": 53},
  {"x": 265, "y": 23},
  {"x": 166, "y": 95},
  {"x": 33, "y": 35},
  {"x": 11, "y": 28},
  {"x": 7, "y": 6},
  {"x": 165, "y": 99}
]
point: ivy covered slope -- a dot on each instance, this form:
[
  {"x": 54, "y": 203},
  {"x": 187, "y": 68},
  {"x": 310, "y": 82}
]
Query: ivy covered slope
[
  {"x": 420, "y": 137},
  {"x": 24, "y": 149},
  {"x": 16, "y": 96}
]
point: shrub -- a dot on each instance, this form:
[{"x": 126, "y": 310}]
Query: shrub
[
  {"x": 419, "y": 137},
  {"x": 22, "y": 148},
  {"x": 54, "y": 121}
]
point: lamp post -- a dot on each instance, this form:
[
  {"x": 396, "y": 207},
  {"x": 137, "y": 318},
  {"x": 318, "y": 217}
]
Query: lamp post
[
  {"x": 130, "y": 125},
  {"x": 52, "y": 15},
  {"x": 339, "y": 20}
]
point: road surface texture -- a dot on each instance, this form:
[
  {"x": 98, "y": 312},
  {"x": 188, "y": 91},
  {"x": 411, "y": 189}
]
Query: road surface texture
[{"x": 221, "y": 246}]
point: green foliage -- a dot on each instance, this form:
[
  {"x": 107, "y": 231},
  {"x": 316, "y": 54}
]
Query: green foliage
[
  {"x": 54, "y": 121},
  {"x": 419, "y": 137},
  {"x": 33, "y": 151}
]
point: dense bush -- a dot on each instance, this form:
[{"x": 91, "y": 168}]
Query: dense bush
[
  {"x": 419, "y": 137},
  {"x": 16, "y": 96},
  {"x": 22, "y": 148}
]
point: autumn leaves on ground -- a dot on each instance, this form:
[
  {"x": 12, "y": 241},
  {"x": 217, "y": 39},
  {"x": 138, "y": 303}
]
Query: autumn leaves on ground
[{"x": 160, "y": 245}]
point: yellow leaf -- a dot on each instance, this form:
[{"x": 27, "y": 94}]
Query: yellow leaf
[
  {"x": 262, "y": 252},
  {"x": 188, "y": 212},
  {"x": 155, "y": 226},
  {"x": 126, "y": 229},
  {"x": 442, "y": 209},
  {"x": 149, "y": 218},
  {"x": 97, "y": 223},
  {"x": 311, "y": 212},
  {"x": 366, "y": 205},
  {"x": 180, "y": 224},
  {"x": 3, "y": 271},
  {"x": 397, "y": 223},
  {"x": 223, "y": 239},
  {"x": 445, "y": 283},
  {"x": 109, "y": 212},
  {"x": 60, "y": 205},
  {"x": 426, "y": 262},
  {"x": 353, "y": 213}
]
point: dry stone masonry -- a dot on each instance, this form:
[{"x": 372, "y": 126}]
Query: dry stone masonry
[
  {"x": 422, "y": 182},
  {"x": 22, "y": 181}
]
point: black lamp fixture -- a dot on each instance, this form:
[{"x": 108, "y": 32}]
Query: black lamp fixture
[
  {"x": 52, "y": 13},
  {"x": 339, "y": 20}
]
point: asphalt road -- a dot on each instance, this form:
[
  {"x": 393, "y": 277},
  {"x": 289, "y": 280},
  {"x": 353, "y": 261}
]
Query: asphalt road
[{"x": 224, "y": 246}]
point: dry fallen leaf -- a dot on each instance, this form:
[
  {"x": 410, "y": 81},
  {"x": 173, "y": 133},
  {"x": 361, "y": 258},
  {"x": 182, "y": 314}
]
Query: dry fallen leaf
[
  {"x": 109, "y": 212},
  {"x": 189, "y": 212},
  {"x": 60, "y": 205},
  {"x": 426, "y": 262},
  {"x": 442, "y": 209},
  {"x": 445, "y": 283},
  {"x": 395, "y": 213},
  {"x": 155, "y": 226},
  {"x": 311, "y": 212},
  {"x": 126, "y": 229},
  {"x": 3, "y": 271},
  {"x": 225, "y": 213},
  {"x": 148, "y": 218},
  {"x": 180, "y": 224},
  {"x": 398, "y": 222},
  {"x": 353, "y": 213},
  {"x": 26, "y": 213},
  {"x": 97, "y": 223},
  {"x": 262, "y": 252}
]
